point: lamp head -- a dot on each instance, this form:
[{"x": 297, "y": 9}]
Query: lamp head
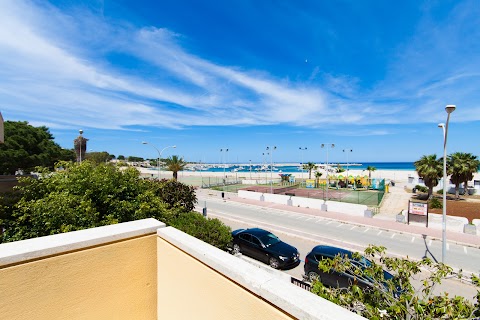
[
  {"x": 450, "y": 108},
  {"x": 441, "y": 125},
  {"x": 174, "y": 146},
  {"x": 144, "y": 142},
  {"x": 81, "y": 131}
]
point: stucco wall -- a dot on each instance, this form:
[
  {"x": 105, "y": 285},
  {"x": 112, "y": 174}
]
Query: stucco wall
[
  {"x": 199, "y": 281},
  {"x": 198, "y": 292},
  {"x": 115, "y": 280}
]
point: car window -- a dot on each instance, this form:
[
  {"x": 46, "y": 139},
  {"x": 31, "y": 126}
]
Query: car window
[
  {"x": 256, "y": 241},
  {"x": 269, "y": 239},
  {"x": 245, "y": 236}
]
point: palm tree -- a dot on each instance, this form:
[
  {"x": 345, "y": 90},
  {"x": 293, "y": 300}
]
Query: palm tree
[
  {"x": 318, "y": 174},
  {"x": 310, "y": 166},
  {"x": 175, "y": 164},
  {"x": 461, "y": 166},
  {"x": 430, "y": 169},
  {"x": 370, "y": 169}
]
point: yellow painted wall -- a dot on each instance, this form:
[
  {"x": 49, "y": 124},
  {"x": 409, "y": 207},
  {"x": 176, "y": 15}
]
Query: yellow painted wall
[
  {"x": 113, "y": 281},
  {"x": 188, "y": 289}
]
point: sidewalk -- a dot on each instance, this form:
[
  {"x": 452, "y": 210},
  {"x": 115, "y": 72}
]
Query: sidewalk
[{"x": 385, "y": 221}]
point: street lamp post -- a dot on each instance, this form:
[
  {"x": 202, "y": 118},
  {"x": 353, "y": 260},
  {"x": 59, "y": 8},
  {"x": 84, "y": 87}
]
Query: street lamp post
[
  {"x": 302, "y": 150},
  {"x": 348, "y": 151},
  {"x": 80, "y": 145},
  {"x": 224, "y": 150},
  {"x": 449, "y": 109},
  {"x": 159, "y": 155},
  {"x": 273, "y": 148},
  {"x": 326, "y": 146},
  {"x": 250, "y": 169}
]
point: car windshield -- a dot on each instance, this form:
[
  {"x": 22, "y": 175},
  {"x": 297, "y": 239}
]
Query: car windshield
[{"x": 269, "y": 239}]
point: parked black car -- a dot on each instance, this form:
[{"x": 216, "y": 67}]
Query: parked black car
[
  {"x": 264, "y": 246},
  {"x": 333, "y": 278}
]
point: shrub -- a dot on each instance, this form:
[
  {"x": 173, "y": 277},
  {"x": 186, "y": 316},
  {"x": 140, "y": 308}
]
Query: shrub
[
  {"x": 434, "y": 203},
  {"x": 212, "y": 231},
  {"x": 421, "y": 188}
]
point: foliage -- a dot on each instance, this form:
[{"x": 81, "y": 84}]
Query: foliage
[
  {"x": 121, "y": 157},
  {"x": 175, "y": 164},
  {"x": 370, "y": 169},
  {"x": 135, "y": 159},
  {"x": 175, "y": 194},
  {"x": 212, "y": 231},
  {"x": 27, "y": 147},
  {"x": 430, "y": 169},
  {"x": 421, "y": 188},
  {"x": 434, "y": 203},
  {"x": 86, "y": 195},
  {"x": 461, "y": 167},
  {"x": 340, "y": 169},
  {"x": 309, "y": 166},
  {"x": 396, "y": 298},
  {"x": 98, "y": 157}
]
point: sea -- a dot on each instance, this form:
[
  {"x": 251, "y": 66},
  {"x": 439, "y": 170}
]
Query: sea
[{"x": 296, "y": 168}]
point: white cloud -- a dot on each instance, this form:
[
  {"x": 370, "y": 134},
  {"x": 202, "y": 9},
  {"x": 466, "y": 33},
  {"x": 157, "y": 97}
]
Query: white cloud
[{"x": 54, "y": 69}]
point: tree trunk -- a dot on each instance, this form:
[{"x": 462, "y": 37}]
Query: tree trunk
[
  {"x": 457, "y": 191},
  {"x": 175, "y": 175}
]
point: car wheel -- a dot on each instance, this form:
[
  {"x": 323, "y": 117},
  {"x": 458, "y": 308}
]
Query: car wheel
[
  {"x": 273, "y": 262},
  {"x": 236, "y": 249},
  {"x": 312, "y": 276}
]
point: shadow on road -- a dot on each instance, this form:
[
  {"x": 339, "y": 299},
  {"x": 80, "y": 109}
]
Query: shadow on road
[{"x": 427, "y": 250}]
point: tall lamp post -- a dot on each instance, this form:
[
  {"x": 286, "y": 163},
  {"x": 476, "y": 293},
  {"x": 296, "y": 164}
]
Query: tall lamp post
[
  {"x": 326, "y": 146},
  {"x": 348, "y": 151},
  {"x": 250, "y": 169},
  {"x": 449, "y": 109},
  {"x": 273, "y": 148},
  {"x": 224, "y": 150},
  {"x": 302, "y": 150},
  {"x": 159, "y": 155}
]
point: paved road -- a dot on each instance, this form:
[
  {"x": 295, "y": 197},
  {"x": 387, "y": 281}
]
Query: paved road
[
  {"x": 305, "y": 231},
  {"x": 351, "y": 236}
]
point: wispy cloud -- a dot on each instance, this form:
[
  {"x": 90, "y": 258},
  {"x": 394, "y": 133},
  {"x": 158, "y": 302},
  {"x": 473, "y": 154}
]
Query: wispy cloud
[{"x": 55, "y": 68}]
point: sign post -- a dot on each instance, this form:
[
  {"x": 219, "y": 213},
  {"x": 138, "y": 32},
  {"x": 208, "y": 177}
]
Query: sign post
[{"x": 418, "y": 209}]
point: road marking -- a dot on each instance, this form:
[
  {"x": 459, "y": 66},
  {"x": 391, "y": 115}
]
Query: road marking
[
  {"x": 430, "y": 242},
  {"x": 448, "y": 246},
  {"x": 366, "y": 230},
  {"x": 329, "y": 222},
  {"x": 309, "y": 219},
  {"x": 339, "y": 225},
  {"x": 465, "y": 250},
  {"x": 300, "y": 217},
  {"x": 393, "y": 235},
  {"x": 379, "y": 232},
  {"x": 353, "y": 227},
  {"x": 319, "y": 221},
  {"x": 413, "y": 239}
]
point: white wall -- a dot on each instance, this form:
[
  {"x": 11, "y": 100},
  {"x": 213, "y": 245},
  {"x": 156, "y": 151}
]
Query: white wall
[{"x": 342, "y": 207}]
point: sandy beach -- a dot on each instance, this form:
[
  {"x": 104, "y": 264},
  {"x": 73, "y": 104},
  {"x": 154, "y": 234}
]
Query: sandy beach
[{"x": 401, "y": 177}]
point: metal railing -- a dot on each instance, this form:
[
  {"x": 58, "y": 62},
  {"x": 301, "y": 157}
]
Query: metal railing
[{"x": 301, "y": 284}]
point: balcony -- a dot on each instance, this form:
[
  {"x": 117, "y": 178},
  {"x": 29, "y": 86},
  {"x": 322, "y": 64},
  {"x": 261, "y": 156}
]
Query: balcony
[{"x": 144, "y": 270}]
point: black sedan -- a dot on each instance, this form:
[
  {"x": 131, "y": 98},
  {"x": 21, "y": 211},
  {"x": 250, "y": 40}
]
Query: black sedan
[
  {"x": 333, "y": 278},
  {"x": 264, "y": 246}
]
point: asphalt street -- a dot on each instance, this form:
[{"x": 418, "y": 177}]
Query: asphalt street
[{"x": 305, "y": 231}]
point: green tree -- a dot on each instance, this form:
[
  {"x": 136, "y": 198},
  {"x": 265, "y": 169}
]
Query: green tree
[
  {"x": 396, "y": 298},
  {"x": 85, "y": 195},
  {"x": 310, "y": 166},
  {"x": 98, "y": 157},
  {"x": 461, "y": 167},
  {"x": 370, "y": 169},
  {"x": 27, "y": 147},
  {"x": 121, "y": 157},
  {"x": 135, "y": 159},
  {"x": 430, "y": 169},
  {"x": 175, "y": 164},
  {"x": 318, "y": 174}
]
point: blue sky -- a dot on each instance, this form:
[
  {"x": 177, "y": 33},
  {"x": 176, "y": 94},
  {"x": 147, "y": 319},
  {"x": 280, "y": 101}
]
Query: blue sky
[{"x": 369, "y": 76}]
